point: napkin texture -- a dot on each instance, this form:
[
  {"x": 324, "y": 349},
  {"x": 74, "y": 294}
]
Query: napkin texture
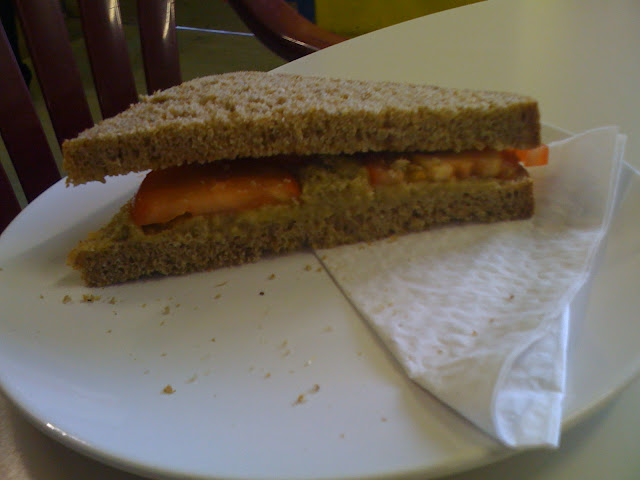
[{"x": 478, "y": 314}]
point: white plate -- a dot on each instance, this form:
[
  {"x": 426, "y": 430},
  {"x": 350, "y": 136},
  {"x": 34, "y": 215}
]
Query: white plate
[{"x": 295, "y": 383}]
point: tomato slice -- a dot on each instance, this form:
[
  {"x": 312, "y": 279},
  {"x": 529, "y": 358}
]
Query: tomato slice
[
  {"x": 533, "y": 157},
  {"x": 201, "y": 189}
]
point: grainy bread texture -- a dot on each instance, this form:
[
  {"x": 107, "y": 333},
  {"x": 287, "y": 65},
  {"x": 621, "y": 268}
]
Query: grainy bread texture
[
  {"x": 337, "y": 206},
  {"x": 255, "y": 114}
]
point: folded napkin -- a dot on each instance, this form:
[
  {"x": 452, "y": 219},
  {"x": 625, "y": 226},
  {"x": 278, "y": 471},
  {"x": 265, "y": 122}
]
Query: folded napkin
[{"x": 478, "y": 314}]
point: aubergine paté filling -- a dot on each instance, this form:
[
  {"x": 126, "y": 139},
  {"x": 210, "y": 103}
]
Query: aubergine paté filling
[{"x": 343, "y": 199}]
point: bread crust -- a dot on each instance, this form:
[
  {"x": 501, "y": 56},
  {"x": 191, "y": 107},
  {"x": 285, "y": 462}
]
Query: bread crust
[
  {"x": 337, "y": 206},
  {"x": 256, "y": 114}
]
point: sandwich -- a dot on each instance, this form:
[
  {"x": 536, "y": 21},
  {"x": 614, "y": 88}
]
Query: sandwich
[{"x": 249, "y": 164}]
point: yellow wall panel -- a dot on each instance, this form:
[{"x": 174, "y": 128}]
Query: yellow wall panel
[{"x": 355, "y": 17}]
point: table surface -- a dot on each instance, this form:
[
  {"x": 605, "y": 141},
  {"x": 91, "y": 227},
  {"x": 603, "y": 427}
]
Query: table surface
[{"x": 580, "y": 60}]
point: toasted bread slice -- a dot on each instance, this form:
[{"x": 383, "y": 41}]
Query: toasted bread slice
[{"x": 254, "y": 114}]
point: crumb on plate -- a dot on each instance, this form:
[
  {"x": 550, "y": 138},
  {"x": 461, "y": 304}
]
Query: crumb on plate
[
  {"x": 89, "y": 298},
  {"x": 168, "y": 390}
]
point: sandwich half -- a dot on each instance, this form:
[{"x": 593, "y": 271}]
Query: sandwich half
[{"x": 250, "y": 164}]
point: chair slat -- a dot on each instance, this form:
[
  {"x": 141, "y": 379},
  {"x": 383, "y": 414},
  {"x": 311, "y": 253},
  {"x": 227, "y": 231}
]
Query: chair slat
[
  {"x": 282, "y": 29},
  {"x": 48, "y": 42},
  {"x": 158, "y": 38},
  {"x": 21, "y": 130},
  {"x": 10, "y": 207},
  {"x": 108, "y": 55}
]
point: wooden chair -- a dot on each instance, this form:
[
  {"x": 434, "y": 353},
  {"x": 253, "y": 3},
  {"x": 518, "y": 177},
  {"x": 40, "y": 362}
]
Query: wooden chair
[
  {"x": 282, "y": 29},
  {"x": 276, "y": 24}
]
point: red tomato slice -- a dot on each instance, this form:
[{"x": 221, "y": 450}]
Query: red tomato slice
[
  {"x": 201, "y": 189},
  {"x": 533, "y": 157}
]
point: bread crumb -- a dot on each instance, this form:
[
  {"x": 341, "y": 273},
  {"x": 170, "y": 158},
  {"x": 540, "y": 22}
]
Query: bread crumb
[
  {"x": 261, "y": 293},
  {"x": 112, "y": 301},
  {"x": 300, "y": 400},
  {"x": 308, "y": 268},
  {"x": 267, "y": 375},
  {"x": 220, "y": 284},
  {"x": 217, "y": 296},
  {"x": 272, "y": 276},
  {"x": 315, "y": 389},
  {"x": 90, "y": 298},
  {"x": 511, "y": 297},
  {"x": 383, "y": 419},
  {"x": 143, "y": 305},
  {"x": 192, "y": 378},
  {"x": 109, "y": 331},
  {"x": 166, "y": 310},
  {"x": 41, "y": 296},
  {"x": 163, "y": 354},
  {"x": 474, "y": 333},
  {"x": 66, "y": 299},
  {"x": 319, "y": 269},
  {"x": 168, "y": 390},
  {"x": 213, "y": 339}
]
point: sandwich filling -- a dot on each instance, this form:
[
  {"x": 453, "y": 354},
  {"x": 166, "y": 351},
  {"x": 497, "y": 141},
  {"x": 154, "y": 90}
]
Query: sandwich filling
[
  {"x": 200, "y": 217},
  {"x": 232, "y": 187}
]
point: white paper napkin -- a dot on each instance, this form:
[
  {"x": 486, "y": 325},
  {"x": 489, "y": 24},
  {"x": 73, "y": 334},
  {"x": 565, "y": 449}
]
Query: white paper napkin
[{"x": 477, "y": 314}]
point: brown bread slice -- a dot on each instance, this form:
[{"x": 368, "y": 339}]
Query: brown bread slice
[{"x": 255, "y": 114}]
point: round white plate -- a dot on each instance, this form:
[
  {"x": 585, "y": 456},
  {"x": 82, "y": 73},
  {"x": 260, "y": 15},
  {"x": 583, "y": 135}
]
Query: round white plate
[{"x": 273, "y": 373}]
